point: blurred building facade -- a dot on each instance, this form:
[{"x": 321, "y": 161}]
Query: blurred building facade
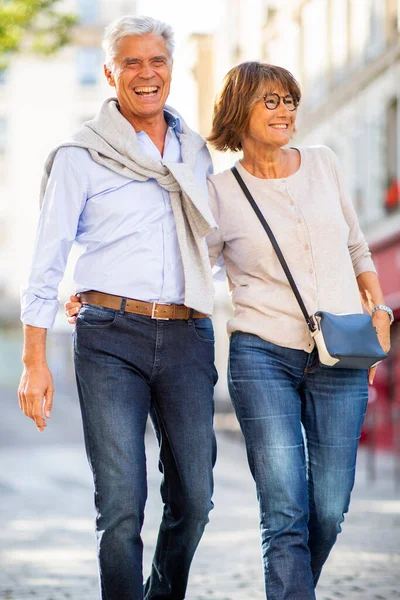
[{"x": 42, "y": 101}]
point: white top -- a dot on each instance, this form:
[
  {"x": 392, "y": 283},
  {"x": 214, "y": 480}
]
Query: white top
[{"x": 316, "y": 227}]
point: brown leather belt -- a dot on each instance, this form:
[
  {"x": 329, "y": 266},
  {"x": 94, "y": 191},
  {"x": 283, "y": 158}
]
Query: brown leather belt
[{"x": 138, "y": 307}]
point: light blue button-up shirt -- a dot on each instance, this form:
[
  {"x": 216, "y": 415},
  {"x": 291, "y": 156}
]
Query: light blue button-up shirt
[{"x": 126, "y": 229}]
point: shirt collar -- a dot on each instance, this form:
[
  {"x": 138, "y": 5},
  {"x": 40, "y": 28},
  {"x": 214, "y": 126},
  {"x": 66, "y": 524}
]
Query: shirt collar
[{"x": 172, "y": 121}]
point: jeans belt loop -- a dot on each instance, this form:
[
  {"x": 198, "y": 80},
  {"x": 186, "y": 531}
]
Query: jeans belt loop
[
  {"x": 122, "y": 307},
  {"x": 190, "y": 320}
]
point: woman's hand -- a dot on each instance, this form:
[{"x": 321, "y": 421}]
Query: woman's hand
[
  {"x": 381, "y": 322},
  {"x": 72, "y": 308}
]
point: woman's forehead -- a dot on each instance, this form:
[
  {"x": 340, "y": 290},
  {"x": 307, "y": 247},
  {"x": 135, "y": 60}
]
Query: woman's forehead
[{"x": 274, "y": 87}]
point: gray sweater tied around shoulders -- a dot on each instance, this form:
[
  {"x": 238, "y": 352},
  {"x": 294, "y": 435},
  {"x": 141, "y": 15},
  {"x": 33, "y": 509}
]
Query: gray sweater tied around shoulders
[{"x": 112, "y": 142}]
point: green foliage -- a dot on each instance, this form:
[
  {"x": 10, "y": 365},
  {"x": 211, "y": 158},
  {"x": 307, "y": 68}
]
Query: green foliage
[{"x": 32, "y": 25}]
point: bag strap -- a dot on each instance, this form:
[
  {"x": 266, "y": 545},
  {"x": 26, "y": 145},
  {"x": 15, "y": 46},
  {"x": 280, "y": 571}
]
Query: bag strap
[{"x": 309, "y": 319}]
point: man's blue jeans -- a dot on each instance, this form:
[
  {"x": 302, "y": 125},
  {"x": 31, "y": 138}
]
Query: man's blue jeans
[
  {"x": 303, "y": 481},
  {"x": 128, "y": 366}
]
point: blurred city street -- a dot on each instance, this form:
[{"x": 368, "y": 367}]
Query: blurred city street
[
  {"x": 346, "y": 57},
  {"x": 47, "y": 548}
]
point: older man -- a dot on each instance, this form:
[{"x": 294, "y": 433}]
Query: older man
[{"x": 130, "y": 188}]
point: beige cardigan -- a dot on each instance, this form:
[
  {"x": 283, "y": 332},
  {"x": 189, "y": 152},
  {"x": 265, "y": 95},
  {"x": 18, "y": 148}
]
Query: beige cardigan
[{"x": 314, "y": 222}]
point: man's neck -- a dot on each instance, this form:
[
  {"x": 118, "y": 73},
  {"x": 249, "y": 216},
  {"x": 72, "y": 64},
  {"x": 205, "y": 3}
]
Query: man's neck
[{"x": 155, "y": 127}]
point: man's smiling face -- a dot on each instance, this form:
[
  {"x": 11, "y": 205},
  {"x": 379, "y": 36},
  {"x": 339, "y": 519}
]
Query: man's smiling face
[{"x": 141, "y": 76}]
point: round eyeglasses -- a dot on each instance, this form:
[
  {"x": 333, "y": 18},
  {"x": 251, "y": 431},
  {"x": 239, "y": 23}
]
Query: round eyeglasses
[{"x": 272, "y": 101}]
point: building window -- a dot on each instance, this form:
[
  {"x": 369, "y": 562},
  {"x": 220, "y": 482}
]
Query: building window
[
  {"x": 3, "y": 136},
  {"x": 392, "y": 20},
  {"x": 89, "y": 65},
  {"x": 339, "y": 37},
  {"x": 88, "y": 11},
  {"x": 376, "y": 37},
  {"x": 315, "y": 49},
  {"x": 392, "y": 191}
]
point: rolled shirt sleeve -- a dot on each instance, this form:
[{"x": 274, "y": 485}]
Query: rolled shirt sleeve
[
  {"x": 63, "y": 203},
  {"x": 358, "y": 246}
]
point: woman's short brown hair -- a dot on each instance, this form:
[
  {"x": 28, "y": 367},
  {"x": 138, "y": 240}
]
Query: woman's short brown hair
[{"x": 242, "y": 87}]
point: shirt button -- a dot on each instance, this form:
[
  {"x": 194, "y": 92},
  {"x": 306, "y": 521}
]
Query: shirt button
[
  {"x": 299, "y": 220},
  {"x": 311, "y": 271},
  {"x": 306, "y": 247}
]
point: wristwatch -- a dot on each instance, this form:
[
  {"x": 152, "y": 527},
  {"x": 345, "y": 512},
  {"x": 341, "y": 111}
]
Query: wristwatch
[{"x": 386, "y": 309}]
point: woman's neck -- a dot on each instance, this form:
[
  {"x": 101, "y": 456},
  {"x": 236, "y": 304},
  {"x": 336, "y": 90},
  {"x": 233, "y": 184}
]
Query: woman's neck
[{"x": 266, "y": 162}]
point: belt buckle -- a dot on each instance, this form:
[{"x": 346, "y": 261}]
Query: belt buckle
[{"x": 153, "y": 314}]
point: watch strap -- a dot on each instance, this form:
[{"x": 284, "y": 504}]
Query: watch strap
[{"x": 386, "y": 309}]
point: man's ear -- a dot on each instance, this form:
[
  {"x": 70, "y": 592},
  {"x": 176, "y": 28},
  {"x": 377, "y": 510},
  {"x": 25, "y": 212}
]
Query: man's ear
[{"x": 109, "y": 76}]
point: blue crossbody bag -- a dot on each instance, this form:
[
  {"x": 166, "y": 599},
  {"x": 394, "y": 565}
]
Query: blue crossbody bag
[{"x": 346, "y": 341}]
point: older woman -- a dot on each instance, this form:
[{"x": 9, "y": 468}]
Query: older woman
[{"x": 301, "y": 421}]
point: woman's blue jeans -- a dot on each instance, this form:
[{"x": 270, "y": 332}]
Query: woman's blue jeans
[
  {"x": 301, "y": 423},
  {"x": 128, "y": 366}
]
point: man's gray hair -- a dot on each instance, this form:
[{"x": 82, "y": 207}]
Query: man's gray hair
[{"x": 125, "y": 26}]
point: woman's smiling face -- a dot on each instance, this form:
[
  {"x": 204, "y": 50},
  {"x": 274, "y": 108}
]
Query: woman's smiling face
[{"x": 274, "y": 127}]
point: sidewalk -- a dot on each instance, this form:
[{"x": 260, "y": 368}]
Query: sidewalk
[{"x": 47, "y": 549}]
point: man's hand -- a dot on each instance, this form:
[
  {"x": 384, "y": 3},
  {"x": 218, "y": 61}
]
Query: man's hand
[
  {"x": 72, "y": 308},
  {"x": 35, "y": 394},
  {"x": 36, "y": 388},
  {"x": 381, "y": 322}
]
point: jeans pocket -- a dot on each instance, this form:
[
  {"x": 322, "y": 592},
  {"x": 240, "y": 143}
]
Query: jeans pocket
[
  {"x": 203, "y": 330},
  {"x": 93, "y": 316}
]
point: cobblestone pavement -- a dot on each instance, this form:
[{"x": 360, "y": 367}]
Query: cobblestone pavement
[{"x": 47, "y": 545}]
